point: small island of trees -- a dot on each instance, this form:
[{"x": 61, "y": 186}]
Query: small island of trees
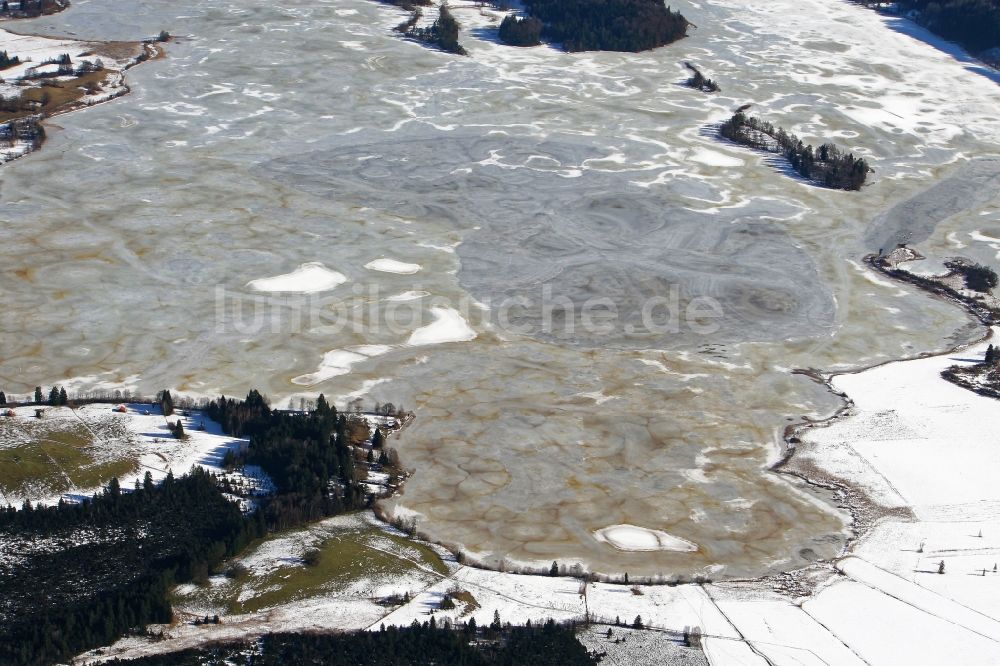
[
  {"x": 699, "y": 81},
  {"x": 599, "y": 25},
  {"x": 526, "y": 31},
  {"x": 827, "y": 166},
  {"x": 443, "y": 33}
]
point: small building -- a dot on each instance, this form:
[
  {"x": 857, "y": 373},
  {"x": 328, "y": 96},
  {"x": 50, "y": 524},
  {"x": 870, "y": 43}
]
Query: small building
[
  {"x": 121, "y": 409},
  {"x": 9, "y": 412},
  {"x": 39, "y": 413}
]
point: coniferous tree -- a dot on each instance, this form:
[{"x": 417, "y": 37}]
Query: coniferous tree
[
  {"x": 166, "y": 403},
  {"x": 54, "y": 396},
  {"x": 63, "y": 398},
  {"x": 322, "y": 407},
  {"x": 38, "y": 395},
  {"x": 3, "y": 398}
]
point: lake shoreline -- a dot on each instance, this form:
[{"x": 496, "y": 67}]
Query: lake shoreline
[{"x": 82, "y": 91}]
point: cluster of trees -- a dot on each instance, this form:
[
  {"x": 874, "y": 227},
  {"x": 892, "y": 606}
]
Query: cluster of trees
[
  {"x": 166, "y": 402},
  {"x": 307, "y": 456},
  {"x": 58, "y": 397},
  {"x": 443, "y": 33},
  {"x": 79, "y": 397},
  {"x": 64, "y": 68},
  {"x": 827, "y": 166},
  {"x": 26, "y": 130},
  {"x": 699, "y": 81},
  {"x": 240, "y": 418},
  {"x": 977, "y": 277},
  {"x": 16, "y": 103},
  {"x": 102, "y": 568},
  {"x": 8, "y": 61},
  {"x": 425, "y": 643},
  {"x": 525, "y": 31},
  {"x": 30, "y": 8},
  {"x": 608, "y": 25},
  {"x": 177, "y": 429}
]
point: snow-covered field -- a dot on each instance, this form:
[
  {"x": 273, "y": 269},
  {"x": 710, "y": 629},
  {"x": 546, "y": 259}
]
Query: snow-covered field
[
  {"x": 34, "y": 51},
  {"x": 36, "y": 56},
  {"x": 141, "y": 435}
]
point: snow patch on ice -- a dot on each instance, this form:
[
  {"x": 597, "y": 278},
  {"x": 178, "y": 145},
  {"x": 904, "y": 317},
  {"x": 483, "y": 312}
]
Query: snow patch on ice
[
  {"x": 306, "y": 279},
  {"x": 448, "y": 326},
  {"x": 632, "y": 538},
  {"x": 384, "y": 265}
]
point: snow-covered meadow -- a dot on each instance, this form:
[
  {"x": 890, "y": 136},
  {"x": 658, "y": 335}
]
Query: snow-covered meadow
[
  {"x": 134, "y": 433},
  {"x": 38, "y": 64}
]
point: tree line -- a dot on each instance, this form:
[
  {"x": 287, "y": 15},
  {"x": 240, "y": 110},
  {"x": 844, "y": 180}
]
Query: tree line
[
  {"x": 827, "y": 165},
  {"x": 975, "y": 24},
  {"x": 7, "y": 61},
  {"x": 426, "y": 643}
]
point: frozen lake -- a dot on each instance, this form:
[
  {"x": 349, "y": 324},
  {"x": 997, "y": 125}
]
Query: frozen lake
[{"x": 297, "y": 200}]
